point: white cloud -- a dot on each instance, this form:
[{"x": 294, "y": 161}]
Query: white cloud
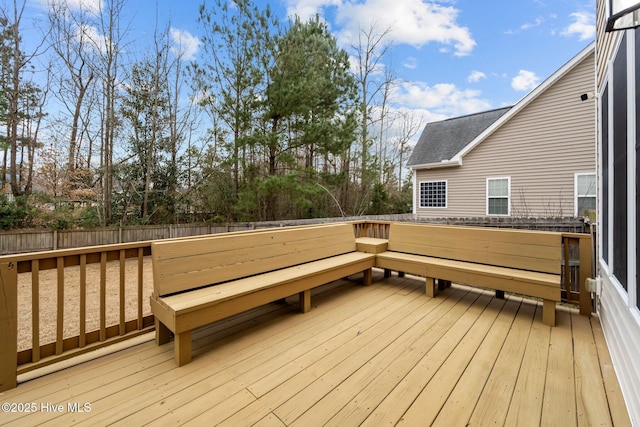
[
  {"x": 441, "y": 100},
  {"x": 536, "y": 23},
  {"x": 525, "y": 80},
  {"x": 584, "y": 26},
  {"x": 91, "y": 37},
  {"x": 410, "y": 63},
  {"x": 306, "y": 9},
  {"x": 93, "y": 6},
  {"x": 413, "y": 22},
  {"x": 185, "y": 44},
  {"x": 476, "y": 76}
]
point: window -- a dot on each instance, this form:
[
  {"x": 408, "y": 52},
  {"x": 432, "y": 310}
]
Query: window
[
  {"x": 433, "y": 194},
  {"x": 498, "y": 195},
  {"x": 604, "y": 211},
  {"x": 619, "y": 163},
  {"x": 585, "y": 193}
]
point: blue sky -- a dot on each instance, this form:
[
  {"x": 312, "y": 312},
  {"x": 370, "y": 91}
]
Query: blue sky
[{"x": 452, "y": 57}]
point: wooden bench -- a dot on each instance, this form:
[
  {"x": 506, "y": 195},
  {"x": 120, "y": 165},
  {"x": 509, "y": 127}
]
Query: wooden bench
[
  {"x": 202, "y": 280},
  {"x": 519, "y": 261}
]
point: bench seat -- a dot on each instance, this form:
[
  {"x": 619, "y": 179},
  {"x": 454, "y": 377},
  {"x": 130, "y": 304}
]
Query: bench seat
[
  {"x": 519, "y": 261},
  {"x": 202, "y": 280},
  {"x": 532, "y": 283},
  {"x": 199, "y": 307}
]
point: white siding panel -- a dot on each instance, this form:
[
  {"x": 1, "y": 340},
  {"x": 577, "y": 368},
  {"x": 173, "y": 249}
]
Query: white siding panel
[
  {"x": 540, "y": 148},
  {"x": 621, "y": 331}
]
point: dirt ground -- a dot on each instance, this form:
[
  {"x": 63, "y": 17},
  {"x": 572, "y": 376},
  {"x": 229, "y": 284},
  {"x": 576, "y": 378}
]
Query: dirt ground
[{"x": 49, "y": 295}]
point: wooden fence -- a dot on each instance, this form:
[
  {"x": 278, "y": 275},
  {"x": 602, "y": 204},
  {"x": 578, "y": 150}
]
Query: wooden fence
[{"x": 112, "y": 284}]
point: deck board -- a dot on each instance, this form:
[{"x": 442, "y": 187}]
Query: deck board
[
  {"x": 493, "y": 403},
  {"x": 383, "y": 354},
  {"x": 460, "y": 404},
  {"x": 558, "y": 407}
]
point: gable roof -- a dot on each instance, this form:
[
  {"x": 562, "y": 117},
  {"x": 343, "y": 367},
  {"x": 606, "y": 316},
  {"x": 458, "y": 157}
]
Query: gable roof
[
  {"x": 441, "y": 141},
  {"x": 429, "y": 151}
]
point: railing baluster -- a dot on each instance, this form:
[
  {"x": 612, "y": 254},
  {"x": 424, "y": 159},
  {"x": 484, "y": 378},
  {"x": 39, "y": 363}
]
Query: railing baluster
[
  {"x": 122, "y": 293},
  {"x": 83, "y": 300},
  {"x": 103, "y": 296},
  {"x": 567, "y": 267},
  {"x": 140, "y": 286},
  {"x": 35, "y": 310},
  {"x": 60, "y": 317}
]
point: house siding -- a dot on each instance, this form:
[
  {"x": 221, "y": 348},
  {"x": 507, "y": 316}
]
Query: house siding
[
  {"x": 604, "y": 41},
  {"x": 540, "y": 148}
]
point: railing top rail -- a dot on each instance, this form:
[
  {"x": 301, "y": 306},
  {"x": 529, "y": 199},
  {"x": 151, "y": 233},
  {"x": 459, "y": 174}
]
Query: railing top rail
[
  {"x": 29, "y": 256},
  {"x": 577, "y": 235}
]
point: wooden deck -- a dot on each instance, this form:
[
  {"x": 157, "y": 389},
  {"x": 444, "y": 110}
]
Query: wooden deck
[{"x": 383, "y": 354}]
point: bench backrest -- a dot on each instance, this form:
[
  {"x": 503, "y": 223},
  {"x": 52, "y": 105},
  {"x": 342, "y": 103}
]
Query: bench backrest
[
  {"x": 523, "y": 249},
  {"x": 183, "y": 264}
]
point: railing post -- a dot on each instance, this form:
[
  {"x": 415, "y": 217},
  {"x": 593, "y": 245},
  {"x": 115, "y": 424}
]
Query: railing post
[
  {"x": 8, "y": 325},
  {"x": 584, "y": 272}
]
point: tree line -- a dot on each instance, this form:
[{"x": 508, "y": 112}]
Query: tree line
[{"x": 271, "y": 120}]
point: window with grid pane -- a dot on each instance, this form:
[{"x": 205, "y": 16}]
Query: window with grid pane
[
  {"x": 498, "y": 191},
  {"x": 585, "y": 193},
  {"x": 433, "y": 194}
]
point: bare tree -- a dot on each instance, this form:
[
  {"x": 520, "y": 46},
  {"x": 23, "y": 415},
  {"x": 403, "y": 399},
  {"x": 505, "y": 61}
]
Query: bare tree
[
  {"x": 409, "y": 125},
  {"x": 108, "y": 41},
  {"x": 388, "y": 83},
  {"x": 369, "y": 51},
  {"x": 72, "y": 46}
]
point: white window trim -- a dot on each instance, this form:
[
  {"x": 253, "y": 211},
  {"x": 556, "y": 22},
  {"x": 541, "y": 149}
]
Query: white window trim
[
  {"x": 416, "y": 191},
  {"x": 575, "y": 189},
  {"x": 446, "y": 194},
  {"x": 631, "y": 173},
  {"x": 495, "y": 178}
]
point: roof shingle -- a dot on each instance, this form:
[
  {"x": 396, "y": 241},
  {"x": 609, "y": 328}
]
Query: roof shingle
[{"x": 444, "y": 139}]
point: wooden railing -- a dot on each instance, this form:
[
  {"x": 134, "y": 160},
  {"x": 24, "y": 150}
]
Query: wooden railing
[
  {"x": 376, "y": 229},
  {"x": 105, "y": 268},
  {"x": 577, "y": 266},
  {"x": 31, "y": 267}
]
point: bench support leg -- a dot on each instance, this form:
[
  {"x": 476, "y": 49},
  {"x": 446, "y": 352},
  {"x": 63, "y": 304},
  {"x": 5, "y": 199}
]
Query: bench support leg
[
  {"x": 387, "y": 272},
  {"x": 549, "y": 312},
  {"x": 430, "y": 287},
  {"x": 500, "y": 294},
  {"x": 305, "y": 301},
  {"x": 400, "y": 273},
  {"x": 163, "y": 334},
  {"x": 367, "y": 278},
  {"x": 182, "y": 348}
]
